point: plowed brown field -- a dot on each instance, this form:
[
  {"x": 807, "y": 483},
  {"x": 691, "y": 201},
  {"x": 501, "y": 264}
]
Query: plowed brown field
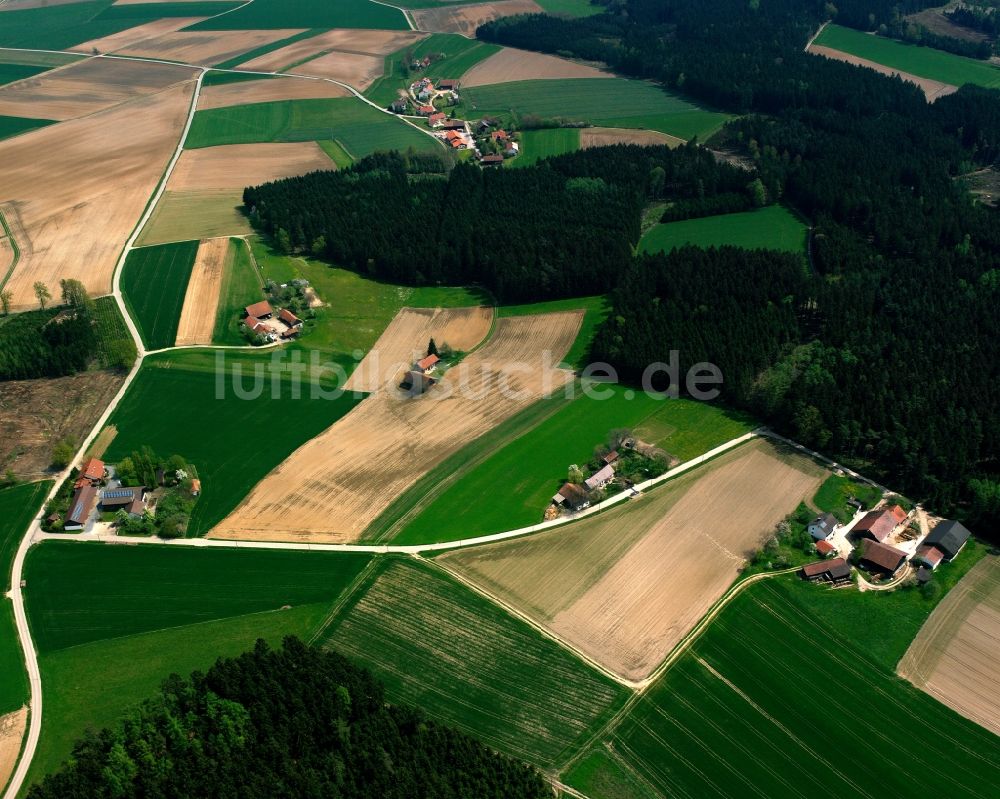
[
  {"x": 510, "y": 65},
  {"x": 624, "y": 587},
  {"x": 332, "y": 488},
  {"x": 87, "y": 87},
  {"x": 465, "y": 19},
  {"x": 266, "y": 91},
  {"x": 205, "y": 47},
  {"x": 133, "y": 37},
  {"x": 363, "y": 42},
  {"x": 956, "y": 655},
  {"x": 12, "y": 728},
  {"x": 202, "y": 296},
  {"x": 236, "y": 166},
  {"x": 76, "y": 190},
  {"x": 602, "y": 137}
]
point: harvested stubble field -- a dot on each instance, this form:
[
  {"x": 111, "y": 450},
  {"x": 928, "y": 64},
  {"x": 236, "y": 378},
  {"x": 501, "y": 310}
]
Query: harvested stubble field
[
  {"x": 602, "y": 137},
  {"x": 75, "y": 191},
  {"x": 306, "y": 56},
  {"x": 510, "y": 65},
  {"x": 235, "y": 166},
  {"x": 262, "y": 14},
  {"x": 932, "y": 89},
  {"x": 267, "y": 90},
  {"x": 196, "y": 214},
  {"x": 625, "y": 586},
  {"x": 173, "y": 407},
  {"x": 465, "y": 19},
  {"x": 206, "y": 47},
  {"x": 737, "y": 716},
  {"x": 956, "y": 656},
  {"x": 36, "y": 414},
  {"x": 405, "y": 340},
  {"x": 12, "y": 727},
  {"x": 136, "y": 36},
  {"x": 201, "y": 299},
  {"x": 333, "y": 487},
  {"x": 466, "y": 662},
  {"x": 87, "y": 87}
]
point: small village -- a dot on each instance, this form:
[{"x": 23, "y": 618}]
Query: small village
[{"x": 487, "y": 141}]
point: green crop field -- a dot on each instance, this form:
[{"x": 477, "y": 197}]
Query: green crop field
[
  {"x": 521, "y": 476},
  {"x": 538, "y": 144},
  {"x": 137, "y": 13},
  {"x": 360, "y": 129},
  {"x": 79, "y": 593},
  {"x": 257, "y": 52},
  {"x": 240, "y": 287},
  {"x": 115, "y": 347},
  {"x": 92, "y": 685},
  {"x": 772, "y": 702},
  {"x": 773, "y": 228},
  {"x": 60, "y": 26},
  {"x": 13, "y": 126},
  {"x": 154, "y": 280},
  {"x": 174, "y": 406},
  {"x": 38, "y": 59},
  {"x": 269, "y": 14},
  {"x": 614, "y": 102},
  {"x": 570, "y": 8},
  {"x": 357, "y": 310},
  {"x": 18, "y": 506},
  {"x": 11, "y": 72},
  {"x": 466, "y": 662},
  {"x": 926, "y": 62},
  {"x": 459, "y": 56}
]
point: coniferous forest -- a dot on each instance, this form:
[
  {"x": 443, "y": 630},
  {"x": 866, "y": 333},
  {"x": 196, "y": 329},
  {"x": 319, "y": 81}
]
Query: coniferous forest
[
  {"x": 880, "y": 348},
  {"x": 295, "y": 722}
]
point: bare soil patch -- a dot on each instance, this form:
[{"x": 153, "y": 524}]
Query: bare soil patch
[
  {"x": 12, "y": 727},
  {"x": 602, "y": 137},
  {"x": 465, "y": 19},
  {"x": 205, "y": 47},
  {"x": 362, "y": 42},
  {"x": 202, "y": 296},
  {"x": 956, "y": 655},
  {"x": 935, "y": 21},
  {"x": 134, "y": 37},
  {"x": 354, "y": 69},
  {"x": 625, "y": 587},
  {"x": 36, "y": 414},
  {"x": 235, "y": 166},
  {"x": 266, "y": 91},
  {"x": 932, "y": 89},
  {"x": 332, "y": 488},
  {"x": 510, "y": 65},
  {"x": 75, "y": 191},
  {"x": 86, "y": 87},
  {"x": 406, "y": 338},
  {"x": 201, "y": 214}
]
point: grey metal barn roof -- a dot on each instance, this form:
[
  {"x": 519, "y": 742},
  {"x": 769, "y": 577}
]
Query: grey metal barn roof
[
  {"x": 949, "y": 536},
  {"x": 119, "y": 493}
]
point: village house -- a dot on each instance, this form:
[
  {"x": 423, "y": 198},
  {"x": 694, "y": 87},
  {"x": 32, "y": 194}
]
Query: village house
[
  {"x": 454, "y": 124},
  {"x": 436, "y": 120},
  {"x": 600, "y": 478},
  {"x": 881, "y": 558},
  {"x": 416, "y": 382},
  {"x": 425, "y": 365},
  {"x": 131, "y": 500},
  {"x": 572, "y": 496},
  {"x": 260, "y": 310},
  {"x": 931, "y": 557},
  {"x": 949, "y": 537},
  {"x": 399, "y": 105},
  {"x": 834, "y": 571},
  {"x": 498, "y": 135},
  {"x": 456, "y": 140},
  {"x": 823, "y": 527},
  {"x": 195, "y": 487},
  {"x": 92, "y": 473},
  {"x": 80, "y": 508},
  {"x": 824, "y": 548},
  {"x": 447, "y": 85},
  {"x": 611, "y": 458},
  {"x": 877, "y": 525},
  {"x": 491, "y": 160},
  {"x": 511, "y": 148},
  {"x": 291, "y": 322},
  {"x": 425, "y": 110}
]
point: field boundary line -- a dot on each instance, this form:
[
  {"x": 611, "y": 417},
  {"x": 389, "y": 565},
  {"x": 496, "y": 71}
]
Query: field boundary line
[
  {"x": 405, "y": 12},
  {"x": 538, "y": 627},
  {"x": 340, "y": 602},
  {"x": 14, "y": 248}
]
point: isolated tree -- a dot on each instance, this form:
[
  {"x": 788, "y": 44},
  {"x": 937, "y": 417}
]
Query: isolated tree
[
  {"x": 432, "y": 347},
  {"x": 62, "y": 454},
  {"x": 5, "y": 299},
  {"x": 74, "y": 294},
  {"x": 575, "y": 474},
  {"x": 42, "y": 294},
  {"x": 283, "y": 240},
  {"x": 757, "y": 192}
]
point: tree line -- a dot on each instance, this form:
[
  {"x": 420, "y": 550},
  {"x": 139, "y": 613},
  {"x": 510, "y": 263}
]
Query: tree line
[{"x": 294, "y": 722}]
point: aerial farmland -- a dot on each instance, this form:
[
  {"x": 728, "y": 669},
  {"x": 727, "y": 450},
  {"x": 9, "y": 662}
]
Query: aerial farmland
[{"x": 525, "y": 398}]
